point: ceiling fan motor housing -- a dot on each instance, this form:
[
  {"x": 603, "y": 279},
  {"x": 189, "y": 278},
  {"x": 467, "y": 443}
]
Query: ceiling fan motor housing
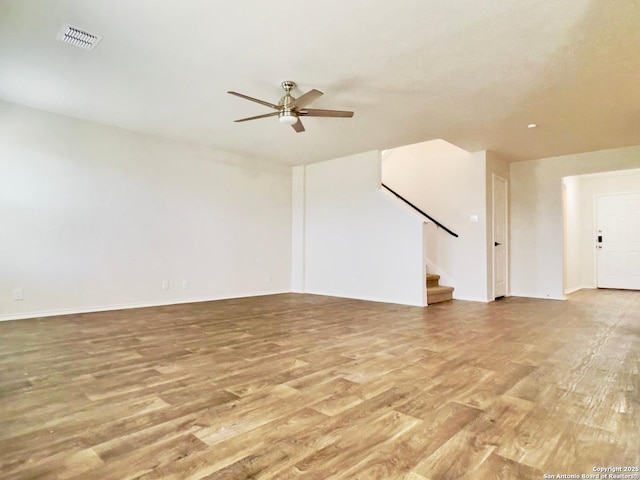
[{"x": 287, "y": 115}]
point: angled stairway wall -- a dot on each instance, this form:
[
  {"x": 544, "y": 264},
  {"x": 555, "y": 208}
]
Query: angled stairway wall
[{"x": 454, "y": 187}]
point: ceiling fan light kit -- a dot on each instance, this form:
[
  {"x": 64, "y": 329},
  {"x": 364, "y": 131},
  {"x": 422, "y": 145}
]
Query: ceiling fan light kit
[
  {"x": 287, "y": 118},
  {"x": 289, "y": 109}
]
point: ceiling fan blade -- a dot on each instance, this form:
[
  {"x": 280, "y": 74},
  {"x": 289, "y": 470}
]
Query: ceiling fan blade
[
  {"x": 261, "y": 102},
  {"x": 272, "y": 114},
  {"x": 298, "y": 127},
  {"x": 306, "y": 99},
  {"x": 314, "y": 112}
]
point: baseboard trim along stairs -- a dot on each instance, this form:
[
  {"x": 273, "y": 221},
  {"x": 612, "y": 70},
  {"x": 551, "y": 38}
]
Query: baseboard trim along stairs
[{"x": 437, "y": 293}]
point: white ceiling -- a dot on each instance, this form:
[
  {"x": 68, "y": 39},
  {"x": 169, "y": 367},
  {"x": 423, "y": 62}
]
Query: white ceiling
[{"x": 474, "y": 73}]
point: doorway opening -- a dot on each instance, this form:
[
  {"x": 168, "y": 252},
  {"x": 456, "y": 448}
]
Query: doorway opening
[{"x": 609, "y": 258}]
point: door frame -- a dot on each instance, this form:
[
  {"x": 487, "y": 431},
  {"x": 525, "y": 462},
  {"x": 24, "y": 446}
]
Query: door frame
[{"x": 506, "y": 235}]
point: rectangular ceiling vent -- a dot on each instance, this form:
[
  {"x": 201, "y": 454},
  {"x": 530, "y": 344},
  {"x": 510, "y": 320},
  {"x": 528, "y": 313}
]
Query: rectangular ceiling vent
[{"x": 78, "y": 37}]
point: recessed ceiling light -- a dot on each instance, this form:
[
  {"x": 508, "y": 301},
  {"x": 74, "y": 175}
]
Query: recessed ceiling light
[{"x": 532, "y": 125}]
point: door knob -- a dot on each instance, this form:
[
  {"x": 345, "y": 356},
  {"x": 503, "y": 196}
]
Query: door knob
[{"x": 495, "y": 244}]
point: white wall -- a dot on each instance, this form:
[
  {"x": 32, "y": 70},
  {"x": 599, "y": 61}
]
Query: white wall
[
  {"x": 359, "y": 243},
  {"x": 581, "y": 241},
  {"x": 537, "y": 218},
  {"x": 449, "y": 184},
  {"x": 573, "y": 257},
  {"x": 95, "y": 218},
  {"x": 297, "y": 228}
]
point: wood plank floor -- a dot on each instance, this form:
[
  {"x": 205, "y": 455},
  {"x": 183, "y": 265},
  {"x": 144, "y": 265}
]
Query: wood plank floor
[{"x": 311, "y": 387}]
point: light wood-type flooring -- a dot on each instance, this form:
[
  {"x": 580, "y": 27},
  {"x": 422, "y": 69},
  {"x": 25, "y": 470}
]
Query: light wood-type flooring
[{"x": 310, "y": 387}]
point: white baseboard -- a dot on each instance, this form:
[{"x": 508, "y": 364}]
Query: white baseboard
[
  {"x": 366, "y": 298},
  {"x": 541, "y": 297},
  {"x": 105, "y": 308},
  {"x": 575, "y": 289},
  {"x": 470, "y": 299}
]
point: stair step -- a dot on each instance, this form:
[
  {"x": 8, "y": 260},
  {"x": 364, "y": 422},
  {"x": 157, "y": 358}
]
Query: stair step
[
  {"x": 432, "y": 280},
  {"x": 439, "y": 294}
]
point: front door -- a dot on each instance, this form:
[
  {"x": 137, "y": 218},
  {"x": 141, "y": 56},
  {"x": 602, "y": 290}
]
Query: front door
[{"x": 618, "y": 241}]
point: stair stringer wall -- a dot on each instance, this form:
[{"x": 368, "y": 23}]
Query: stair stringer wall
[{"x": 356, "y": 243}]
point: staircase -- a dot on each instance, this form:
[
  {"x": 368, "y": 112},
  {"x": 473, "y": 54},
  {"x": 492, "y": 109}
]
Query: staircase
[{"x": 437, "y": 293}]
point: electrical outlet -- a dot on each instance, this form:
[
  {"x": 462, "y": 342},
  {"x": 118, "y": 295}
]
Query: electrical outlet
[
  {"x": 18, "y": 294},
  {"x": 185, "y": 283},
  {"x": 166, "y": 285}
]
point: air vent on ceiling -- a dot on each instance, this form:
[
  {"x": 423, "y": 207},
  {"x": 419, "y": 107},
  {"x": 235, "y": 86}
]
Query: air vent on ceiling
[{"x": 78, "y": 37}]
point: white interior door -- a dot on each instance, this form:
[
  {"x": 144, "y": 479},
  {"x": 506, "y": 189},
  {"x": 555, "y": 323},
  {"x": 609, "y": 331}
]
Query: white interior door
[
  {"x": 500, "y": 239},
  {"x": 618, "y": 241}
]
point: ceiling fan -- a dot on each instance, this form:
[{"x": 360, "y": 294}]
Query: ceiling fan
[{"x": 290, "y": 109}]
